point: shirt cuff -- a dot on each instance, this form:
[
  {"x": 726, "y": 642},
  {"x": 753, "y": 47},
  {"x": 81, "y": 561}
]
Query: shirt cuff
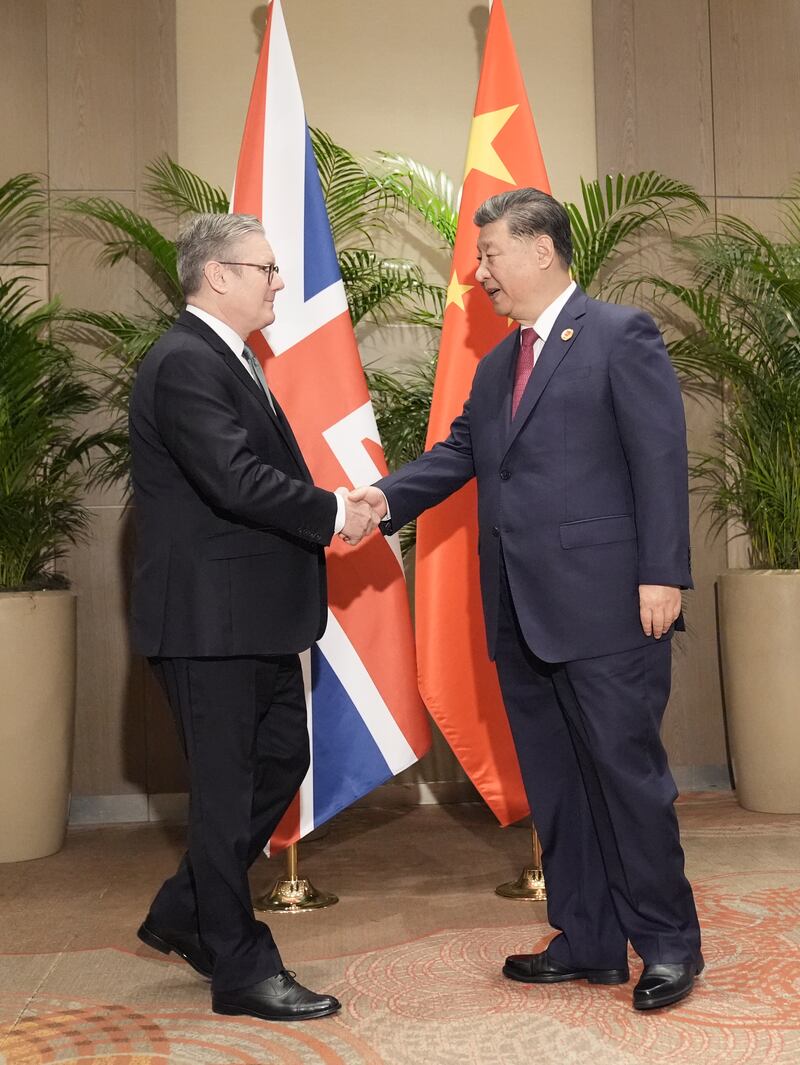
[
  {"x": 338, "y": 524},
  {"x": 388, "y": 515}
]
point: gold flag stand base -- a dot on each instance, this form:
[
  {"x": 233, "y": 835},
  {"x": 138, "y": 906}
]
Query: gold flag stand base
[
  {"x": 529, "y": 885},
  {"x": 293, "y": 894}
]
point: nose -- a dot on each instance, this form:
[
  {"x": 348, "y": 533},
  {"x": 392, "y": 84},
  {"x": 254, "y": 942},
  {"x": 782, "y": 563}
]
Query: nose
[
  {"x": 482, "y": 273},
  {"x": 277, "y": 283}
]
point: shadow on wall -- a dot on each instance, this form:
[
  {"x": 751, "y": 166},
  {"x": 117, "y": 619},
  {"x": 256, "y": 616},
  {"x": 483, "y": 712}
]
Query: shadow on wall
[
  {"x": 259, "y": 21},
  {"x": 479, "y": 20}
]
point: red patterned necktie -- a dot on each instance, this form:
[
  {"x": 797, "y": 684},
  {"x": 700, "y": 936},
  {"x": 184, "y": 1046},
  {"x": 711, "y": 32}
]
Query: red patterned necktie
[{"x": 528, "y": 338}]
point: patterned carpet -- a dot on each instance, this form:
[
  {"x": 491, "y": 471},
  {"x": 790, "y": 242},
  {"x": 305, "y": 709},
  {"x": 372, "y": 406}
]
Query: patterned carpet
[{"x": 439, "y": 999}]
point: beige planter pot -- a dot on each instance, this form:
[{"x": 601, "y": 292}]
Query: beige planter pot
[
  {"x": 759, "y": 620},
  {"x": 37, "y": 718}
]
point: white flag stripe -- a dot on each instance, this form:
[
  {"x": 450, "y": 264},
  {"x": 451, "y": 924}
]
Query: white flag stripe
[
  {"x": 353, "y": 675},
  {"x": 298, "y": 319},
  {"x": 346, "y": 440},
  {"x": 284, "y": 165},
  {"x": 283, "y": 204}
]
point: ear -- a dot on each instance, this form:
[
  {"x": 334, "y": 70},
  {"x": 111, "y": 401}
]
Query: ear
[
  {"x": 214, "y": 274},
  {"x": 545, "y": 251}
]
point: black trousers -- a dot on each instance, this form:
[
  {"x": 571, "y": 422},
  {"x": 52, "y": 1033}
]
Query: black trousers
[
  {"x": 242, "y": 723},
  {"x": 601, "y": 794}
]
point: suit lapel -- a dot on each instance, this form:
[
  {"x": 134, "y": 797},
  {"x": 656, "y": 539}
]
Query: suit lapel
[
  {"x": 499, "y": 387},
  {"x": 191, "y": 321},
  {"x": 289, "y": 437},
  {"x": 554, "y": 350}
]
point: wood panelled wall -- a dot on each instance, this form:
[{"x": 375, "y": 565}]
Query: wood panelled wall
[
  {"x": 88, "y": 99},
  {"x": 706, "y": 91}
]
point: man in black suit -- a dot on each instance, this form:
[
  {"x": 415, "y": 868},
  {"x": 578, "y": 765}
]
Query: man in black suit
[
  {"x": 575, "y": 431},
  {"x": 229, "y": 585}
]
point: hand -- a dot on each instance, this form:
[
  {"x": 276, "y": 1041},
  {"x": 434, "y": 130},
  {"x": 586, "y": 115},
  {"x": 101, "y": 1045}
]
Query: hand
[
  {"x": 659, "y": 606},
  {"x": 360, "y": 519},
  {"x": 374, "y": 496}
]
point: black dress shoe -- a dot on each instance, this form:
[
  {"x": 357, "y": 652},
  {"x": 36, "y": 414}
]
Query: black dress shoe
[
  {"x": 186, "y": 945},
  {"x": 279, "y": 998},
  {"x": 539, "y": 969},
  {"x": 664, "y": 983}
]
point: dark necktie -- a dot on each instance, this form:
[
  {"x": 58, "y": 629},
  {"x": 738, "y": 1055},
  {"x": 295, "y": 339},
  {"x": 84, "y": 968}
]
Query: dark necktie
[
  {"x": 528, "y": 338},
  {"x": 258, "y": 374}
]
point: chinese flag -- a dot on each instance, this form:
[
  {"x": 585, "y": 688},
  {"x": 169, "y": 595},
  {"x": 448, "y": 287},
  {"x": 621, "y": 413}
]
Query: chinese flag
[{"x": 457, "y": 681}]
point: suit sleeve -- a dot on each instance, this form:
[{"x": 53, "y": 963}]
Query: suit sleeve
[
  {"x": 432, "y": 477},
  {"x": 649, "y": 414},
  {"x": 201, "y": 429}
]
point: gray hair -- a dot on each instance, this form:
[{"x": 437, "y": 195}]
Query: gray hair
[
  {"x": 529, "y": 213},
  {"x": 206, "y": 237}
]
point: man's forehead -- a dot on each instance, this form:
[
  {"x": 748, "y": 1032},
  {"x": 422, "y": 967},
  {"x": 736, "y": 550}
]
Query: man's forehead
[
  {"x": 257, "y": 242},
  {"x": 493, "y": 235}
]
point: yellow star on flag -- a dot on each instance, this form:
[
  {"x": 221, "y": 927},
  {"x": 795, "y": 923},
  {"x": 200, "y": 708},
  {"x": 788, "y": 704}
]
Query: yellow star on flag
[
  {"x": 481, "y": 154},
  {"x": 455, "y": 292}
]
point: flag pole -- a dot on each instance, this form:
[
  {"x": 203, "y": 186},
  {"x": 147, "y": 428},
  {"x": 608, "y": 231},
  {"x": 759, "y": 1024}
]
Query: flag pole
[
  {"x": 529, "y": 885},
  {"x": 293, "y": 893}
]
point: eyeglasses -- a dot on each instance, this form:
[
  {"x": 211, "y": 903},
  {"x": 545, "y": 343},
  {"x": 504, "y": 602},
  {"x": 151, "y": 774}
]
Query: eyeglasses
[{"x": 267, "y": 269}]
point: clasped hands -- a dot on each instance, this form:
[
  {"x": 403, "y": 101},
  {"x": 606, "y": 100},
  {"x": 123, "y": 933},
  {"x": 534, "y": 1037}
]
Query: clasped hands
[{"x": 365, "y": 508}]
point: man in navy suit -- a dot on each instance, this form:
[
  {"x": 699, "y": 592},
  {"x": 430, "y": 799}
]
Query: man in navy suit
[{"x": 575, "y": 431}]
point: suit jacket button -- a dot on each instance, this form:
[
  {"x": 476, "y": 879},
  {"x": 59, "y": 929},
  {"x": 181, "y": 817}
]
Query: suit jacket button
[
  {"x": 505, "y": 474},
  {"x": 495, "y": 531}
]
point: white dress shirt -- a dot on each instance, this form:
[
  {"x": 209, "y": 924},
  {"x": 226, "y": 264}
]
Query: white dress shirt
[
  {"x": 543, "y": 325},
  {"x": 236, "y": 344}
]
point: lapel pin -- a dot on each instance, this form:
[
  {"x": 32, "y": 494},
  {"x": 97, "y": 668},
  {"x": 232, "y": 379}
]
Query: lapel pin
[{"x": 568, "y": 334}]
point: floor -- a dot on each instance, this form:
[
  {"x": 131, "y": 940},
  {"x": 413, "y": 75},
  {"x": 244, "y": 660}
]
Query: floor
[{"x": 413, "y": 949}]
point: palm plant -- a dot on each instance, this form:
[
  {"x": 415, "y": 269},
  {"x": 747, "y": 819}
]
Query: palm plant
[
  {"x": 616, "y": 215},
  {"x": 360, "y": 205},
  {"x": 743, "y": 343},
  {"x": 43, "y": 457},
  {"x": 122, "y": 340}
]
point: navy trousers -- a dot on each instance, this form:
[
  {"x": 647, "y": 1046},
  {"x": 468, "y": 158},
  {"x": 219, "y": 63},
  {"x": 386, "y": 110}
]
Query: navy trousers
[
  {"x": 242, "y": 723},
  {"x": 601, "y": 794}
]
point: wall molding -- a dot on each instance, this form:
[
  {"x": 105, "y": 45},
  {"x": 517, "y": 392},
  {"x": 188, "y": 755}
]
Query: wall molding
[{"x": 172, "y": 807}]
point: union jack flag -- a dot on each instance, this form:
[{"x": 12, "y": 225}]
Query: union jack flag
[{"x": 365, "y": 717}]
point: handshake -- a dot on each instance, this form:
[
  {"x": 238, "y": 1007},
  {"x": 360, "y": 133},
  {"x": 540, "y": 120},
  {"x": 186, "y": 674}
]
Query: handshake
[{"x": 364, "y": 509}]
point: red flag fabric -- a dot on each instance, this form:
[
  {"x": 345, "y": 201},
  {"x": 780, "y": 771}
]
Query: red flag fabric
[{"x": 457, "y": 680}]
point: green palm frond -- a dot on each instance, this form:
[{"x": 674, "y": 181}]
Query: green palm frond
[
  {"x": 125, "y": 234},
  {"x": 791, "y": 216},
  {"x": 428, "y": 194},
  {"x": 402, "y": 401},
  {"x": 173, "y": 187},
  {"x": 743, "y": 337},
  {"x": 356, "y": 200},
  {"x": 617, "y": 209},
  {"x": 121, "y": 341},
  {"x": 428, "y": 309},
  {"x": 44, "y": 458},
  {"x": 23, "y": 204},
  {"x": 383, "y": 289},
  {"x": 125, "y": 338}
]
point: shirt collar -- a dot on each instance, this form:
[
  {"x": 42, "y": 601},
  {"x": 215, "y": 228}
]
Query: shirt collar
[
  {"x": 547, "y": 319},
  {"x": 222, "y": 329}
]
